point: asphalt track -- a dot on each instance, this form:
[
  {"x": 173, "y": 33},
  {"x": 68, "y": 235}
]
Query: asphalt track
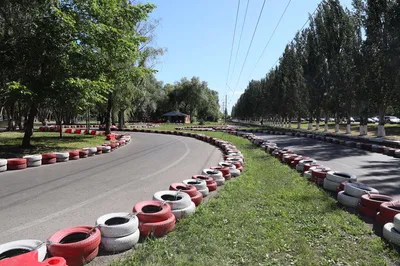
[
  {"x": 373, "y": 169},
  {"x": 36, "y": 202}
]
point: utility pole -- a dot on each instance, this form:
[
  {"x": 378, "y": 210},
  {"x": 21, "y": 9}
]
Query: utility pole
[{"x": 226, "y": 106}]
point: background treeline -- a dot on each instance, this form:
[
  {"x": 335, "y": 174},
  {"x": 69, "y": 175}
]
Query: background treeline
[{"x": 346, "y": 62}]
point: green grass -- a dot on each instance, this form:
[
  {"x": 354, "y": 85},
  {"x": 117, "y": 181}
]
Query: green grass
[
  {"x": 44, "y": 142},
  {"x": 268, "y": 216}
]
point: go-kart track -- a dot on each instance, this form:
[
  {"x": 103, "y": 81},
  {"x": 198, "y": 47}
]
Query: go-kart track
[
  {"x": 373, "y": 169},
  {"x": 36, "y": 202}
]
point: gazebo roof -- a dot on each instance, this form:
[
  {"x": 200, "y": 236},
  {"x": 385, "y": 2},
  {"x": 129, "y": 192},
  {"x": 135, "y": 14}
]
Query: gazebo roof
[{"x": 174, "y": 113}]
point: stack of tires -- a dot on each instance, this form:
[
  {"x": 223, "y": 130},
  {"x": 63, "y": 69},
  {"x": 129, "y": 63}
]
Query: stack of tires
[
  {"x": 91, "y": 151},
  {"x": 119, "y": 231},
  {"x": 3, "y": 165},
  {"x": 33, "y": 160},
  {"x": 49, "y": 158},
  {"x": 318, "y": 176},
  {"x": 334, "y": 179},
  {"x": 106, "y": 149},
  {"x": 211, "y": 184},
  {"x": 308, "y": 173},
  {"x": 391, "y": 230},
  {"x": 387, "y": 212},
  {"x": 224, "y": 170},
  {"x": 199, "y": 184},
  {"x": 77, "y": 245},
  {"x": 232, "y": 168},
  {"x": 191, "y": 190},
  {"x": 351, "y": 196},
  {"x": 15, "y": 248},
  {"x": 74, "y": 155},
  {"x": 62, "y": 156},
  {"x": 370, "y": 204},
  {"x": 16, "y": 164},
  {"x": 216, "y": 175},
  {"x": 181, "y": 204},
  {"x": 300, "y": 165},
  {"x": 83, "y": 153},
  {"x": 155, "y": 218}
]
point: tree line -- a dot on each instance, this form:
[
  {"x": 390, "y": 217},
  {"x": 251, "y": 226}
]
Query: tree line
[
  {"x": 70, "y": 57},
  {"x": 344, "y": 63}
]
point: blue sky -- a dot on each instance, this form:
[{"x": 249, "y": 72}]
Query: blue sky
[{"x": 198, "y": 36}]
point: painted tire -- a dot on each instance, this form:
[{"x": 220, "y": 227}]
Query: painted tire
[
  {"x": 16, "y": 161},
  {"x": 389, "y": 209},
  {"x": 204, "y": 192},
  {"x": 188, "y": 189},
  {"x": 158, "y": 229},
  {"x": 374, "y": 201},
  {"x": 184, "y": 212},
  {"x": 357, "y": 190},
  {"x": 382, "y": 220},
  {"x": 3, "y": 162},
  {"x": 73, "y": 251},
  {"x": 62, "y": 156},
  {"x": 208, "y": 179},
  {"x": 25, "y": 245},
  {"x": 83, "y": 154},
  {"x": 198, "y": 184},
  {"x": 365, "y": 211},
  {"x": 340, "y": 177},
  {"x": 330, "y": 185},
  {"x": 16, "y": 166},
  {"x": 223, "y": 170},
  {"x": 390, "y": 233},
  {"x": 396, "y": 222},
  {"x": 118, "y": 244},
  {"x": 197, "y": 199},
  {"x": 47, "y": 156},
  {"x": 74, "y": 155},
  {"x": 152, "y": 211},
  {"x": 182, "y": 199},
  {"x": 212, "y": 186},
  {"x": 347, "y": 200},
  {"x": 117, "y": 230}
]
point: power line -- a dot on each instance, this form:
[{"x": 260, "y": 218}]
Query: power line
[
  {"x": 240, "y": 38},
  {"x": 272, "y": 35},
  {"x": 233, "y": 41},
  {"x": 251, "y": 42}
]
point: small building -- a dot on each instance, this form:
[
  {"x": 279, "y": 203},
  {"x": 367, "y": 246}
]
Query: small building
[{"x": 177, "y": 117}]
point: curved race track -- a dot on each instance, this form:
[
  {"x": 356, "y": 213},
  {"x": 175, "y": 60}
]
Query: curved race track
[
  {"x": 35, "y": 203},
  {"x": 376, "y": 170}
]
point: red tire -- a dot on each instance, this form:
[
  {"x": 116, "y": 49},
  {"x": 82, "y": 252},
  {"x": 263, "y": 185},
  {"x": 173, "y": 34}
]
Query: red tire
[
  {"x": 16, "y": 161},
  {"x": 16, "y": 166},
  {"x": 208, "y": 179},
  {"x": 73, "y": 251},
  {"x": 99, "y": 150},
  {"x": 319, "y": 173},
  {"x": 341, "y": 186},
  {"x": 158, "y": 229},
  {"x": 212, "y": 186},
  {"x": 188, "y": 189},
  {"x": 289, "y": 158},
  {"x": 197, "y": 199},
  {"x": 152, "y": 211},
  {"x": 382, "y": 220},
  {"x": 223, "y": 170},
  {"x": 82, "y": 260},
  {"x": 240, "y": 168},
  {"x": 228, "y": 177},
  {"x": 68, "y": 130},
  {"x": 374, "y": 201},
  {"x": 389, "y": 209},
  {"x": 47, "y": 156},
  {"x": 74, "y": 155},
  {"x": 307, "y": 166},
  {"x": 49, "y": 160},
  {"x": 78, "y": 131},
  {"x": 83, "y": 153},
  {"x": 365, "y": 211}
]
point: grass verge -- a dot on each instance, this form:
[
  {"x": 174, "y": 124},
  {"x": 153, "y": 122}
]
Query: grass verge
[
  {"x": 268, "y": 216},
  {"x": 42, "y": 142}
]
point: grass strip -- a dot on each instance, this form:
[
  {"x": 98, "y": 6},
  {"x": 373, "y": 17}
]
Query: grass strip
[
  {"x": 268, "y": 216},
  {"x": 43, "y": 142}
]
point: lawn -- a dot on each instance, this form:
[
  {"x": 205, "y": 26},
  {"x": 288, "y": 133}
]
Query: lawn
[
  {"x": 44, "y": 142},
  {"x": 268, "y": 216}
]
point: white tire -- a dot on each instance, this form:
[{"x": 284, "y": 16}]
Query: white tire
[
  {"x": 204, "y": 192},
  {"x": 183, "y": 199},
  {"x": 184, "y": 212},
  {"x": 357, "y": 190},
  {"x": 117, "y": 230},
  {"x": 32, "y": 158},
  {"x": 3, "y": 168},
  {"x": 300, "y": 168},
  {"x": 92, "y": 150},
  {"x": 34, "y": 163},
  {"x": 340, "y": 177},
  {"x": 62, "y": 156},
  {"x": 118, "y": 244},
  {"x": 330, "y": 185},
  {"x": 391, "y": 234},
  {"x": 197, "y": 183},
  {"x": 396, "y": 222},
  {"x": 106, "y": 149},
  {"x": 235, "y": 159},
  {"x": 348, "y": 200},
  {"x": 3, "y": 162},
  {"x": 307, "y": 175},
  {"x": 27, "y": 245},
  {"x": 220, "y": 182},
  {"x": 234, "y": 172},
  {"x": 215, "y": 174}
]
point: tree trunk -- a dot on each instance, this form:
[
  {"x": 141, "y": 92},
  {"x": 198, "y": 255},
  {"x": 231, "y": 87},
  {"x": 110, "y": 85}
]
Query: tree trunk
[
  {"x": 337, "y": 128},
  {"x": 348, "y": 124},
  {"x": 298, "y": 122},
  {"x": 19, "y": 117},
  {"x": 10, "y": 114},
  {"x": 310, "y": 122},
  {"x": 381, "y": 126},
  {"x": 317, "y": 124},
  {"x": 121, "y": 116},
  {"x": 60, "y": 125},
  {"x": 108, "y": 114},
  {"x": 26, "y": 141},
  {"x": 326, "y": 123}
]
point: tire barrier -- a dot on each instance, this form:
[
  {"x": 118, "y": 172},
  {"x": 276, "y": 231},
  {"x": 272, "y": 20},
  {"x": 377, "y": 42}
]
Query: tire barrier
[
  {"x": 388, "y": 210},
  {"x": 211, "y": 184},
  {"x": 62, "y": 156},
  {"x": 181, "y": 204},
  {"x": 3, "y": 165},
  {"x": 357, "y": 190},
  {"x": 188, "y": 189},
  {"x": 49, "y": 158},
  {"x": 232, "y": 168},
  {"x": 370, "y": 203},
  {"x": 119, "y": 231},
  {"x": 33, "y": 160},
  {"x": 77, "y": 245},
  {"x": 15, "y": 248},
  {"x": 16, "y": 164},
  {"x": 74, "y": 155},
  {"x": 216, "y": 175},
  {"x": 199, "y": 184}
]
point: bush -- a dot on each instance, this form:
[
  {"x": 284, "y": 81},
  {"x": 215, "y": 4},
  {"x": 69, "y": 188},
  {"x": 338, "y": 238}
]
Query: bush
[{"x": 201, "y": 122}]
